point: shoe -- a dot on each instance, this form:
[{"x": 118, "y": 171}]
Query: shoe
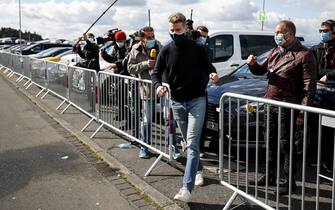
[
  {"x": 261, "y": 181},
  {"x": 202, "y": 155},
  {"x": 176, "y": 154},
  {"x": 199, "y": 179},
  {"x": 144, "y": 153},
  {"x": 183, "y": 195},
  {"x": 284, "y": 188}
]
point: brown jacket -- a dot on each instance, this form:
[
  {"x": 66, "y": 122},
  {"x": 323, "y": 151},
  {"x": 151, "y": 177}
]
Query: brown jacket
[{"x": 291, "y": 74}]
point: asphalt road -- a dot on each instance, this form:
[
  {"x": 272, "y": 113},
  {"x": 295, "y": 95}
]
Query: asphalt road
[{"x": 40, "y": 169}]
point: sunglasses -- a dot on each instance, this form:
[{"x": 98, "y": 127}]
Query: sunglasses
[{"x": 323, "y": 30}]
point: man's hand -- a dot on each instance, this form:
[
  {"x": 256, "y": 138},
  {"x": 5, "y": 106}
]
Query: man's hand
[
  {"x": 251, "y": 60},
  {"x": 151, "y": 63},
  {"x": 84, "y": 37},
  {"x": 161, "y": 90},
  {"x": 112, "y": 66},
  {"x": 300, "y": 119},
  {"x": 214, "y": 77}
]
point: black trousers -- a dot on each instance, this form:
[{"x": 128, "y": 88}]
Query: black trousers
[{"x": 284, "y": 140}]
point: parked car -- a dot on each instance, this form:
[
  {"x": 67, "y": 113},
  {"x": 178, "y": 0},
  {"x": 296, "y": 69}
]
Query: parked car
[
  {"x": 231, "y": 48},
  {"x": 51, "y": 52},
  {"x": 58, "y": 57},
  {"x": 40, "y": 46},
  {"x": 240, "y": 81}
]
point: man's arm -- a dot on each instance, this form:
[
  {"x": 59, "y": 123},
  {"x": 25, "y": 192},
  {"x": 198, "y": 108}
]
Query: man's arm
[
  {"x": 134, "y": 66},
  {"x": 160, "y": 66},
  {"x": 309, "y": 78}
]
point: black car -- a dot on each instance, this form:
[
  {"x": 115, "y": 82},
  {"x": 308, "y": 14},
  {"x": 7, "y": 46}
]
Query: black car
[{"x": 240, "y": 81}]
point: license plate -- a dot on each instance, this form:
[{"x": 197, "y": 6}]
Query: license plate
[{"x": 212, "y": 126}]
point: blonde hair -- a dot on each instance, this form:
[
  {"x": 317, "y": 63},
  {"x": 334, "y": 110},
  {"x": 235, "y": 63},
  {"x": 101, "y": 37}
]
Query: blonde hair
[{"x": 177, "y": 18}]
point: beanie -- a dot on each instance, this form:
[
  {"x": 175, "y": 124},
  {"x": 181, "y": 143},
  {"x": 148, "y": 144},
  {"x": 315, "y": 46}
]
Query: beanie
[{"x": 120, "y": 35}]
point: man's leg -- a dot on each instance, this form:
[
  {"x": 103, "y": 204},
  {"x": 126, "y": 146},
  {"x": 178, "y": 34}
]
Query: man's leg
[{"x": 146, "y": 127}]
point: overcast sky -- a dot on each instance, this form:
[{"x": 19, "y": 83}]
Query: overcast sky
[{"x": 69, "y": 18}]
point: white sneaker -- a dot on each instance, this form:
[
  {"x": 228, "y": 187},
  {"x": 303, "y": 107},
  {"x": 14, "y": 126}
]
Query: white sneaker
[
  {"x": 199, "y": 179},
  {"x": 183, "y": 195}
]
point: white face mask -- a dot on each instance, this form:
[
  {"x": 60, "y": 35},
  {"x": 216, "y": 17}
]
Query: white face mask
[
  {"x": 120, "y": 44},
  {"x": 92, "y": 40}
]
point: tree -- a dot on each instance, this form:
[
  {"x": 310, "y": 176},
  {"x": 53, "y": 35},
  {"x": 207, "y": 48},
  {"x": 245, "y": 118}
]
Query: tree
[{"x": 27, "y": 35}]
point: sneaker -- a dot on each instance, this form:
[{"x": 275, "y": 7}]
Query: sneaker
[
  {"x": 176, "y": 154},
  {"x": 144, "y": 153},
  {"x": 183, "y": 195},
  {"x": 199, "y": 179},
  {"x": 202, "y": 155}
]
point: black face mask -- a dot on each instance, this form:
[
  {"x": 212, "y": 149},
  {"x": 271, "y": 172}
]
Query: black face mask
[{"x": 178, "y": 38}]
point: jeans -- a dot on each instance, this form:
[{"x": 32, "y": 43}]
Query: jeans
[
  {"x": 190, "y": 117},
  {"x": 148, "y": 116}
]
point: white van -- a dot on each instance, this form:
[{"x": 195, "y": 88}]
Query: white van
[{"x": 231, "y": 48}]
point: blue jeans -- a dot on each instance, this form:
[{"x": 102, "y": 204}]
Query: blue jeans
[
  {"x": 190, "y": 117},
  {"x": 147, "y": 118}
]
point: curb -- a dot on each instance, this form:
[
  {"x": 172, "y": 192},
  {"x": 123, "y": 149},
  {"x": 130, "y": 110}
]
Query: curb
[{"x": 157, "y": 197}]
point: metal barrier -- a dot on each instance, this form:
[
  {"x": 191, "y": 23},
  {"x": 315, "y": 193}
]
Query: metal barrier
[
  {"x": 130, "y": 107},
  {"x": 250, "y": 125},
  {"x": 127, "y": 105}
]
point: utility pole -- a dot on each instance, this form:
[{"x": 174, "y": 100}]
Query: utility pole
[
  {"x": 149, "y": 17},
  {"x": 20, "y": 31},
  {"x": 263, "y": 11}
]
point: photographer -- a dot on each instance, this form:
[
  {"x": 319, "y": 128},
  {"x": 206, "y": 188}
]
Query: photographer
[{"x": 89, "y": 53}]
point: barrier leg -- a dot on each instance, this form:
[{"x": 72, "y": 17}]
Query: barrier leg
[
  {"x": 45, "y": 94},
  {"x": 61, "y": 104},
  {"x": 230, "y": 201},
  {"x": 20, "y": 77},
  {"x": 66, "y": 108},
  {"x": 40, "y": 92},
  {"x": 29, "y": 84},
  {"x": 11, "y": 74},
  {"x": 95, "y": 133},
  {"x": 87, "y": 124},
  {"x": 153, "y": 165},
  {"x": 6, "y": 70}
]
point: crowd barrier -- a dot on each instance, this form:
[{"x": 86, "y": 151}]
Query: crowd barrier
[
  {"x": 256, "y": 133},
  {"x": 127, "y": 105}
]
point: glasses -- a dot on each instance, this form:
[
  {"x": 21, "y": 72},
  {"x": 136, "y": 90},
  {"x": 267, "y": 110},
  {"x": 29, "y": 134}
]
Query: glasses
[{"x": 323, "y": 30}]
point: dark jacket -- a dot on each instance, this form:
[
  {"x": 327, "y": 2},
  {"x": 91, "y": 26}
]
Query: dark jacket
[
  {"x": 291, "y": 74},
  {"x": 90, "y": 54},
  {"x": 188, "y": 68},
  {"x": 325, "y": 57},
  {"x": 117, "y": 55}
]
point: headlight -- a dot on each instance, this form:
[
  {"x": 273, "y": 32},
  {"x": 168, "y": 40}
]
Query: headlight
[{"x": 251, "y": 107}]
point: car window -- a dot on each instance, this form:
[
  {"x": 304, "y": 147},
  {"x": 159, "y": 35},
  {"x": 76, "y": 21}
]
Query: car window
[
  {"x": 36, "y": 48},
  {"x": 222, "y": 47},
  {"x": 256, "y": 44}
]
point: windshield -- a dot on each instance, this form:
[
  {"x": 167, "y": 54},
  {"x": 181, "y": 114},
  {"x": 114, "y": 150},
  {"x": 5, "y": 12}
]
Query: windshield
[{"x": 244, "y": 71}]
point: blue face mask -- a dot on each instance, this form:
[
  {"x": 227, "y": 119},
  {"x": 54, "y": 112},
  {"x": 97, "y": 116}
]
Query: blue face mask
[
  {"x": 151, "y": 44},
  {"x": 280, "y": 40},
  {"x": 201, "y": 40},
  {"x": 324, "y": 36},
  {"x": 178, "y": 37}
]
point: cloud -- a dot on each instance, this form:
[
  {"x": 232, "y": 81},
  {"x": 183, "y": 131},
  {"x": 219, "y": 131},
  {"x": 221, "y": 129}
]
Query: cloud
[{"x": 69, "y": 18}]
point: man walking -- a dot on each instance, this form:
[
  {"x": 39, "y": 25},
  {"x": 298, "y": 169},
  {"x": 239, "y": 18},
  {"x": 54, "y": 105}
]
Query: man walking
[{"x": 188, "y": 68}]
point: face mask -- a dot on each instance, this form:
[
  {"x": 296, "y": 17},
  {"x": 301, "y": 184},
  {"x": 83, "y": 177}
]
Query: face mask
[
  {"x": 120, "y": 44},
  {"x": 92, "y": 40},
  {"x": 178, "y": 37},
  {"x": 280, "y": 40},
  {"x": 150, "y": 43},
  {"x": 324, "y": 36},
  {"x": 201, "y": 40}
]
